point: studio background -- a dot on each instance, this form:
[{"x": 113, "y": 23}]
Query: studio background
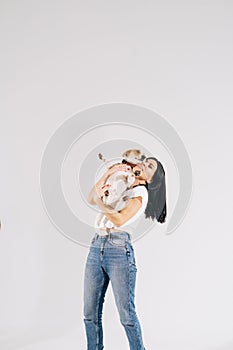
[{"x": 174, "y": 57}]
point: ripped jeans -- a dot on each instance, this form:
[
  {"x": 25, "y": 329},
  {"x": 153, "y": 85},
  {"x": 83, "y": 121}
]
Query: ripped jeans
[{"x": 111, "y": 258}]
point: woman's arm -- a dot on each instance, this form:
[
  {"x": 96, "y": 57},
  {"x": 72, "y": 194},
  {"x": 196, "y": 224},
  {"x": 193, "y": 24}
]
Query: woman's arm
[
  {"x": 121, "y": 217},
  {"x": 93, "y": 195}
]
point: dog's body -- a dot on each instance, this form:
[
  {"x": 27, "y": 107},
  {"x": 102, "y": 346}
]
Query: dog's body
[{"x": 118, "y": 183}]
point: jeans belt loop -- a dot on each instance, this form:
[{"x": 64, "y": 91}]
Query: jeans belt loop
[{"x": 129, "y": 236}]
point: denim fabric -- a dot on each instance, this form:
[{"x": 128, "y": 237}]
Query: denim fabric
[{"x": 111, "y": 258}]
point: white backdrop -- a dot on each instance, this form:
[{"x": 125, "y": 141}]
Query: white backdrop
[{"x": 59, "y": 57}]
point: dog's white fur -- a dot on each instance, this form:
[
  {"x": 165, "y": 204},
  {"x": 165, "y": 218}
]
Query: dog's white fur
[{"x": 118, "y": 183}]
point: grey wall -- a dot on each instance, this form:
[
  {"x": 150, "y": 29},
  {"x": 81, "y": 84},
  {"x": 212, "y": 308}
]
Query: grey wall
[{"x": 60, "y": 57}]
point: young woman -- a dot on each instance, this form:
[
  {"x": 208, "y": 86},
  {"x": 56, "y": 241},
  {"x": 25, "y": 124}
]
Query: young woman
[{"x": 111, "y": 255}]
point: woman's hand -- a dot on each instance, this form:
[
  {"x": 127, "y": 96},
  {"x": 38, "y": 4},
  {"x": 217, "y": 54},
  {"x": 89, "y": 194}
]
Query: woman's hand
[
  {"x": 101, "y": 190},
  {"x": 118, "y": 167}
]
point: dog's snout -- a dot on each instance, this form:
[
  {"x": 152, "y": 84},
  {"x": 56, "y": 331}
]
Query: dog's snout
[{"x": 143, "y": 157}]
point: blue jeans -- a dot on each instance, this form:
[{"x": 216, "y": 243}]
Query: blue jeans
[{"x": 111, "y": 258}]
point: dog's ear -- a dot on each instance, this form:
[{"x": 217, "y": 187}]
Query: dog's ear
[
  {"x": 143, "y": 157},
  {"x": 138, "y": 151}
]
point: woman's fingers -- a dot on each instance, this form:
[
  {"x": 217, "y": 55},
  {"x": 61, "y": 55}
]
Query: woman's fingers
[
  {"x": 101, "y": 189},
  {"x": 107, "y": 186},
  {"x": 120, "y": 167}
]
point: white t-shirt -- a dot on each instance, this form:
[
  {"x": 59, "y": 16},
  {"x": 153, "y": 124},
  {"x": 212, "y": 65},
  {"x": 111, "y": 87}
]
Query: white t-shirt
[{"x": 131, "y": 224}]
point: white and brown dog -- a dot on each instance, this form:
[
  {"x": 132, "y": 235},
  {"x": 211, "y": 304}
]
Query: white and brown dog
[{"x": 119, "y": 182}]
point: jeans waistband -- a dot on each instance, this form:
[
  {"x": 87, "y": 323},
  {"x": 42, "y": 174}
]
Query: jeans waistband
[
  {"x": 115, "y": 234},
  {"x": 105, "y": 231}
]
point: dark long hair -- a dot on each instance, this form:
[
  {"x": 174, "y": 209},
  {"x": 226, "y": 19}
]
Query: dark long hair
[{"x": 156, "y": 206}]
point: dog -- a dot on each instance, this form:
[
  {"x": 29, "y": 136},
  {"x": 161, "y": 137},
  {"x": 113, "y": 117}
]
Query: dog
[
  {"x": 130, "y": 157},
  {"x": 119, "y": 182}
]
